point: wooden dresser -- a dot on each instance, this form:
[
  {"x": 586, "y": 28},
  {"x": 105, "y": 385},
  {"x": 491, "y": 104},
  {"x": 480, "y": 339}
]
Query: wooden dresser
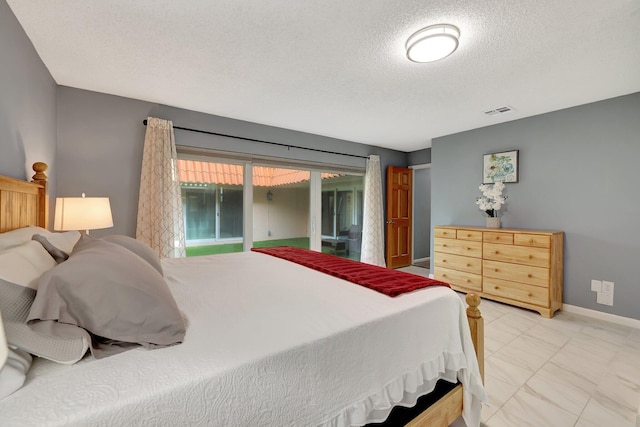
[{"x": 514, "y": 266}]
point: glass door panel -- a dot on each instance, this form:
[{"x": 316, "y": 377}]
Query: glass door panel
[
  {"x": 212, "y": 206},
  {"x": 342, "y": 214},
  {"x": 280, "y": 207}
]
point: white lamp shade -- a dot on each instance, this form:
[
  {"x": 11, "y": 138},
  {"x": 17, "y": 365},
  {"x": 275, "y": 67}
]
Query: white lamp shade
[
  {"x": 432, "y": 43},
  {"x": 4, "y": 349},
  {"x": 82, "y": 213}
]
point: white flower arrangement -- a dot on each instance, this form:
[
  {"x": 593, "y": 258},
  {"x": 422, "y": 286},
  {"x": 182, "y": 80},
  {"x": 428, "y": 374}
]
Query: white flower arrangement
[{"x": 492, "y": 198}]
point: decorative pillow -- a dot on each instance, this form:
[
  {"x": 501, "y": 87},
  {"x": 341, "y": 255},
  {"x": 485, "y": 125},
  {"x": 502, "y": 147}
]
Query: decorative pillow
[
  {"x": 57, "y": 254},
  {"x": 116, "y": 296},
  {"x": 24, "y": 264},
  {"x": 138, "y": 248},
  {"x": 68, "y": 345},
  {"x": 64, "y": 241},
  {"x": 19, "y": 236}
]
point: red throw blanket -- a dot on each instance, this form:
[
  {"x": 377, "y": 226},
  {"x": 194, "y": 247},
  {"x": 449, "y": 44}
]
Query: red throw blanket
[{"x": 384, "y": 280}]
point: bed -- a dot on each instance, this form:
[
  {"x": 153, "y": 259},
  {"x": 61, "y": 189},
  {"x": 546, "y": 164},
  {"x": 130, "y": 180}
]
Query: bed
[{"x": 262, "y": 349}]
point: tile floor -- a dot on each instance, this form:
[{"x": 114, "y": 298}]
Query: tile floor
[{"x": 570, "y": 370}]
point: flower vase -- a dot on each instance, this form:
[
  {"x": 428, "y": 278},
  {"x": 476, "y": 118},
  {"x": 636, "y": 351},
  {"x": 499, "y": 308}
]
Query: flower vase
[{"x": 493, "y": 222}]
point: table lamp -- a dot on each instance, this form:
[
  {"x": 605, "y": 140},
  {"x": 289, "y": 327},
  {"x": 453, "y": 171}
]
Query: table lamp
[{"x": 82, "y": 213}]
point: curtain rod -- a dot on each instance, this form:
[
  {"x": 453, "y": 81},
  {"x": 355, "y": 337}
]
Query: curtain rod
[{"x": 144, "y": 122}]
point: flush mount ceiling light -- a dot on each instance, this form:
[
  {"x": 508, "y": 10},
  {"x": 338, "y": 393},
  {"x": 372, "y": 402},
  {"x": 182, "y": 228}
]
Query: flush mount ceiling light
[{"x": 432, "y": 43}]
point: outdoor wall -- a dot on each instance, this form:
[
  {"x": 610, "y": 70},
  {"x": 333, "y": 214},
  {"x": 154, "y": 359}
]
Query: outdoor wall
[
  {"x": 100, "y": 140},
  {"x": 27, "y": 104},
  {"x": 578, "y": 174},
  {"x": 286, "y": 215}
]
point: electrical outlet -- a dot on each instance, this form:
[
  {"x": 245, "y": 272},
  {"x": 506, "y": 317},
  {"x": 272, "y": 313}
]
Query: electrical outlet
[
  {"x": 596, "y": 286},
  {"x": 601, "y": 298},
  {"x": 604, "y": 299}
]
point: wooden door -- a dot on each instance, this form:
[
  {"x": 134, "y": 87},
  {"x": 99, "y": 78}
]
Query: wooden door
[{"x": 399, "y": 220}]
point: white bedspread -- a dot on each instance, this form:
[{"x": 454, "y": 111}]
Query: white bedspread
[{"x": 269, "y": 343}]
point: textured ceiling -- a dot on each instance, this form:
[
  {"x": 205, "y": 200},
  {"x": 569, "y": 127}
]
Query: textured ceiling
[{"x": 338, "y": 68}]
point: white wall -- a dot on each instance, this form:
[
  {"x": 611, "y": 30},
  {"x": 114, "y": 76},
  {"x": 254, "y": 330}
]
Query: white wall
[{"x": 287, "y": 215}]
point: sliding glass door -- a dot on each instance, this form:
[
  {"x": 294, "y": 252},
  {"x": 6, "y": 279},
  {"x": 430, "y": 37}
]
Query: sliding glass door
[{"x": 285, "y": 207}]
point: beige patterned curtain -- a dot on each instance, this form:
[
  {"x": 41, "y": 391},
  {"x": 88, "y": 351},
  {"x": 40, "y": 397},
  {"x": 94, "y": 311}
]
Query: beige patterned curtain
[
  {"x": 160, "y": 223},
  {"x": 373, "y": 222}
]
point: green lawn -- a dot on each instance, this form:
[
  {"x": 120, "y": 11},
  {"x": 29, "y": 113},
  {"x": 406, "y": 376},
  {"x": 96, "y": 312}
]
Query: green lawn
[{"x": 298, "y": 242}]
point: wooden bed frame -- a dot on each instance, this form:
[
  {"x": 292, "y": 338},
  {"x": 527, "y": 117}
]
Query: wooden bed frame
[{"x": 25, "y": 203}]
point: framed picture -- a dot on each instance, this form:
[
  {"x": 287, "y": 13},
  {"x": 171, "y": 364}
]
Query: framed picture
[{"x": 500, "y": 167}]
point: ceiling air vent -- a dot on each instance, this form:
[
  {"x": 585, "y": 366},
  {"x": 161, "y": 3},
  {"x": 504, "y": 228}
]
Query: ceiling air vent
[{"x": 499, "y": 110}]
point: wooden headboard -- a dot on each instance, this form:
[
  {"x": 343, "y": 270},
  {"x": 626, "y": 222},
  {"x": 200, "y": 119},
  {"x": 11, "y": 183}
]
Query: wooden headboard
[{"x": 24, "y": 203}]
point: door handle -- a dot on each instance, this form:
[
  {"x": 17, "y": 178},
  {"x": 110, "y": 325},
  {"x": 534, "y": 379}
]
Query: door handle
[{"x": 391, "y": 222}]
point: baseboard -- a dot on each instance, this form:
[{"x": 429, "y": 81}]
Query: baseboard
[
  {"x": 422, "y": 259},
  {"x": 613, "y": 318}
]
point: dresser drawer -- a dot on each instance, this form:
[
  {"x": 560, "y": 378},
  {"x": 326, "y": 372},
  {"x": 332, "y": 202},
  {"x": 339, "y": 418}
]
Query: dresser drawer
[
  {"x": 494, "y": 237},
  {"x": 449, "y": 233},
  {"x": 533, "y": 240},
  {"x": 458, "y": 262},
  {"x": 538, "y": 257},
  {"x": 516, "y": 291},
  {"x": 469, "y": 235},
  {"x": 458, "y": 278},
  {"x": 537, "y": 276},
  {"x": 457, "y": 247}
]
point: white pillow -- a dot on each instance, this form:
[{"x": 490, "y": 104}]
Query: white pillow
[
  {"x": 19, "y": 236},
  {"x": 25, "y": 264},
  {"x": 64, "y": 241}
]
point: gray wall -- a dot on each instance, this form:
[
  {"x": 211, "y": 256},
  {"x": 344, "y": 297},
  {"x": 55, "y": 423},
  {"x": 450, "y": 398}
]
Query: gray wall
[
  {"x": 421, "y": 213},
  {"x": 578, "y": 174},
  {"x": 421, "y": 203},
  {"x": 27, "y": 104},
  {"x": 100, "y": 140},
  {"x": 420, "y": 157}
]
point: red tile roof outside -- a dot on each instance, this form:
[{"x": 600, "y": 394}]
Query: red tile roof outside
[{"x": 228, "y": 174}]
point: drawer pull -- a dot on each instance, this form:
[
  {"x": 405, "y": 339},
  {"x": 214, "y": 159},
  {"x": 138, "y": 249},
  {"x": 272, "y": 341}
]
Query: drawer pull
[
  {"x": 497, "y": 252},
  {"x": 444, "y": 261},
  {"x": 531, "y": 241},
  {"x": 444, "y": 246},
  {"x": 444, "y": 275},
  {"x": 496, "y": 270},
  {"x": 530, "y": 256},
  {"x": 496, "y": 287},
  {"x": 529, "y": 294},
  {"x": 468, "y": 280},
  {"x": 529, "y": 276},
  {"x": 468, "y": 265}
]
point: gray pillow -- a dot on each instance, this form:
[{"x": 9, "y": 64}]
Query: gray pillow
[
  {"x": 68, "y": 345},
  {"x": 119, "y": 298},
  {"x": 57, "y": 254},
  {"x": 138, "y": 248}
]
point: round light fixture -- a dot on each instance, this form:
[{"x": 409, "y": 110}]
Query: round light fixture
[{"x": 432, "y": 43}]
